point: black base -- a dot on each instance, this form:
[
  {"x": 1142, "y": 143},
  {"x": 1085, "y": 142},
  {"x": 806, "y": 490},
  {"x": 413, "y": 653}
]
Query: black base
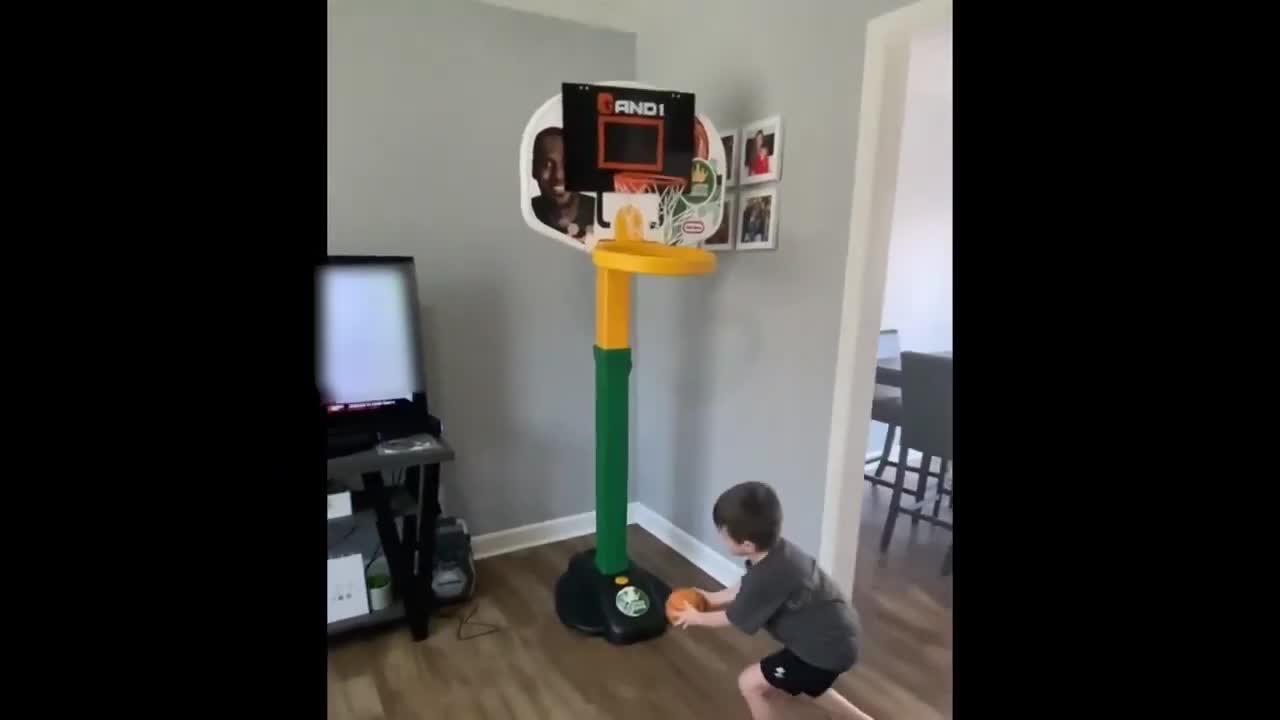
[{"x": 586, "y": 601}]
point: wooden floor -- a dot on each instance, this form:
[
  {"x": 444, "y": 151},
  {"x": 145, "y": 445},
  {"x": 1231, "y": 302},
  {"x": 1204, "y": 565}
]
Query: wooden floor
[{"x": 535, "y": 668}]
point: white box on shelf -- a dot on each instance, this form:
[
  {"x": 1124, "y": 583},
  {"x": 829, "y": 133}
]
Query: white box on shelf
[
  {"x": 339, "y": 505},
  {"x": 347, "y": 596}
]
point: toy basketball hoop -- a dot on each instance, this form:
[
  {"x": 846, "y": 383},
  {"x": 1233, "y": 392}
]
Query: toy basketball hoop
[
  {"x": 625, "y": 172},
  {"x": 595, "y": 150}
]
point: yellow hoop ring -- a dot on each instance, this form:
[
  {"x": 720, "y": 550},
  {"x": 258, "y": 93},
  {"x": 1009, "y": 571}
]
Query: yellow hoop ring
[{"x": 646, "y": 258}]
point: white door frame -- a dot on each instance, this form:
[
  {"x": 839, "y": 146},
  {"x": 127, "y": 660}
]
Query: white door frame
[{"x": 884, "y": 81}]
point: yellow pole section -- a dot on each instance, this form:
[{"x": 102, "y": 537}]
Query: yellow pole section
[{"x": 613, "y": 308}]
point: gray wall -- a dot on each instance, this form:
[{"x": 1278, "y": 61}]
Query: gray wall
[
  {"x": 734, "y": 372},
  {"x": 427, "y": 101}
]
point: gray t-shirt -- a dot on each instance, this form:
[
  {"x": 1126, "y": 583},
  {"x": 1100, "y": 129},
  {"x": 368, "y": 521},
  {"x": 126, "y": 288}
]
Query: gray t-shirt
[{"x": 801, "y": 607}]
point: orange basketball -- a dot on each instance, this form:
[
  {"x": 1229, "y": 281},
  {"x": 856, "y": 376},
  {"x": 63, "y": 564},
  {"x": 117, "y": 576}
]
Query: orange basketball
[{"x": 682, "y": 597}]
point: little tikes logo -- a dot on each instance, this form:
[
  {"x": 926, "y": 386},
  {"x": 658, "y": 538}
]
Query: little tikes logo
[{"x": 606, "y": 105}]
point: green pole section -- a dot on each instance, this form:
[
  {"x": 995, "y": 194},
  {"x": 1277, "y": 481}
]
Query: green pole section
[{"x": 613, "y": 367}]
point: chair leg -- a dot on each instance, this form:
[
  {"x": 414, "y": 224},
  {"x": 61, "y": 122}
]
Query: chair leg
[
  {"x": 922, "y": 484},
  {"x": 951, "y": 502},
  {"x": 946, "y": 561},
  {"x": 942, "y": 482},
  {"x": 899, "y": 481},
  {"x": 888, "y": 448}
]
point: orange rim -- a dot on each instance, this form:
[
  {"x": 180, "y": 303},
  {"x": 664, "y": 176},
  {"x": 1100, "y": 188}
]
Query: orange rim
[{"x": 630, "y": 182}]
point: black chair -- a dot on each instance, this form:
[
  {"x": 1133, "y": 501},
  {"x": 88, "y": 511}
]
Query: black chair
[
  {"x": 927, "y": 426},
  {"x": 886, "y": 407}
]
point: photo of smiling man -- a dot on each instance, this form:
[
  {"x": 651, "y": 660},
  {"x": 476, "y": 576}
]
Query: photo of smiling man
[{"x": 568, "y": 212}]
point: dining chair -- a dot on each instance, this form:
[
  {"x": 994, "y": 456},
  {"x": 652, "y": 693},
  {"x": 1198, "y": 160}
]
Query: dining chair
[
  {"x": 927, "y": 426},
  {"x": 886, "y": 407}
]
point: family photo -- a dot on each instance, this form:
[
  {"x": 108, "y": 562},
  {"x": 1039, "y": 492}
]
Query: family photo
[
  {"x": 762, "y": 151},
  {"x": 759, "y": 220}
]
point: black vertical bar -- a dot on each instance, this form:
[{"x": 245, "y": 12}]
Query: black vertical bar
[
  {"x": 429, "y": 491},
  {"x": 426, "y": 547},
  {"x": 899, "y": 481},
  {"x": 392, "y": 546},
  {"x": 942, "y": 482},
  {"x": 922, "y": 483},
  {"x": 951, "y": 502},
  {"x": 887, "y": 450}
]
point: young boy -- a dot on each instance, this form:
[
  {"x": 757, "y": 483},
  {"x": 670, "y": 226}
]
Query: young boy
[{"x": 785, "y": 592}]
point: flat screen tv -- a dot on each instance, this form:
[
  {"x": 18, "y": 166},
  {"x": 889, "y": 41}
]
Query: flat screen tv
[{"x": 369, "y": 367}]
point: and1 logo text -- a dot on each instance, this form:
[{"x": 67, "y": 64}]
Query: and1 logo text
[{"x": 606, "y": 105}]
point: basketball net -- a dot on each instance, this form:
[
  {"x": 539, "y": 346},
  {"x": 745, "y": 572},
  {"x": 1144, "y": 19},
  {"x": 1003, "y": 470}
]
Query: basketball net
[{"x": 672, "y": 210}]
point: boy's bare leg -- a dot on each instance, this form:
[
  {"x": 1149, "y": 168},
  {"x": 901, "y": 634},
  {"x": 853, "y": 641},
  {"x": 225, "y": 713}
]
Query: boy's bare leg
[
  {"x": 837, "y": 707},
  {"x": 758, "y": 693}
]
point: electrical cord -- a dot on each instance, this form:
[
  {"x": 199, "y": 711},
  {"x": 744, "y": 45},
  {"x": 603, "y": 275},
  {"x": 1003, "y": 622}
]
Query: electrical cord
[{"x": 464, "y": 616}]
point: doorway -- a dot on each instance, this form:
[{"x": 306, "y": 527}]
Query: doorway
[{"x": 878, "y": 168}]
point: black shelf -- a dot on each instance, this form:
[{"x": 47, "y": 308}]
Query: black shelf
[
  {"x": 391, "y": 510},
  {"x": 402, "y": 503},
  {"x": 374, "y": 461},
  {"x": 391, "y": 613}
]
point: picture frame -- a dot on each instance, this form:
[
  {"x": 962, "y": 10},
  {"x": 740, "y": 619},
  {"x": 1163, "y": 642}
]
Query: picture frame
[
  {"x": 732, "y": 142},
  {"x": 723, "y": 239},
  {"x": 757, "y": 219},
  {"x": 752, "y": 167}
]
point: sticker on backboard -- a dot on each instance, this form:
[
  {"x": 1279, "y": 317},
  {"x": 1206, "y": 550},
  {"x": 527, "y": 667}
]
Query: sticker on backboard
[{"x": 675, "y": 210}]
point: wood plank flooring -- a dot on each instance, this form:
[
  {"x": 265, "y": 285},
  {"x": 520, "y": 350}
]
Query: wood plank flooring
[{"x": 534, "y": 668}]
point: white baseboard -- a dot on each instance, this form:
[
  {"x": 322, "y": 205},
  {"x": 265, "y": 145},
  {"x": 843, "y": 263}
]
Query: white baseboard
[
  {"x": 692, "y": 549},
  {"x": 527, "y": 536}
]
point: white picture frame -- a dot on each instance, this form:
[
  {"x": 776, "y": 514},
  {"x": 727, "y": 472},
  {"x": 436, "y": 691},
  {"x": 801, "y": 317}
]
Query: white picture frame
[
  {"x": 757, "y": 233},
  {"x": 732, "y": 142},
  {"x": 725, "y": 232},
  {"x": 749, "y": 168}
]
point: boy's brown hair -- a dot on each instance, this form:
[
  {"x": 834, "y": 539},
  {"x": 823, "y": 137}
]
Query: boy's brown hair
[{"x": 750, "y": 511}]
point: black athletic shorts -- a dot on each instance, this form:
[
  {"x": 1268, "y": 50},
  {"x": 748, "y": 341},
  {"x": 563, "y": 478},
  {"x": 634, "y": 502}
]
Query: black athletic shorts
[{"x": 792, "y": 675}]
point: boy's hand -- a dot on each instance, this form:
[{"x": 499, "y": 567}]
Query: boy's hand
[
  {"x": 718, "y": 599},
  {"x": 688, "y": 616}
]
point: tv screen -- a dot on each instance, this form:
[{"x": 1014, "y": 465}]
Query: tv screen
[{"x": 368, "y": 358}]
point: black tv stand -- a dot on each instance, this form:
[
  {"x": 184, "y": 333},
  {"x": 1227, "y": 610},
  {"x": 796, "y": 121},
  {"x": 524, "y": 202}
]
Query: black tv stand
[
  {"x": 410, "y": 552},
  {"x": 353, "y": 439},
  {"x": 349, "y": 443}
]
